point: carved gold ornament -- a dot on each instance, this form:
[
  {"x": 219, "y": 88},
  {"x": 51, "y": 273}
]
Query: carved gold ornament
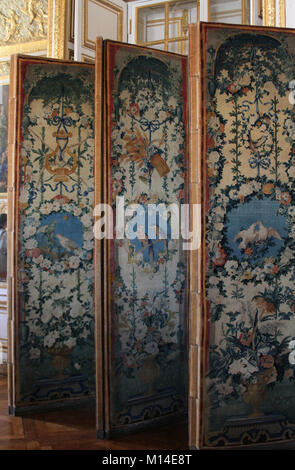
[
  {"x": 22, "y": 21},
  {"x": 269, "y": 12}
]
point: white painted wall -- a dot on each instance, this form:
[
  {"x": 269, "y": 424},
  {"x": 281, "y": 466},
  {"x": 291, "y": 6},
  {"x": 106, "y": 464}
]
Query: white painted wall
[{"x": 290, "y": 13}]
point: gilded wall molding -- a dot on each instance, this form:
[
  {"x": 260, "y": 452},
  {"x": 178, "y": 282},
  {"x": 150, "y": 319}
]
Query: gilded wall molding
[
  {"x": 22, "y": 21},
  {"x": 23, "y": 30},
  {"x": 283, "y": 13},
  {"x": 23, "y": 48},
  {"x": 116, "y": 10},
  {"x": 57, "y": 28},
  {"x": 269, "y": 12},
  {"x": 88, "y": 59}
]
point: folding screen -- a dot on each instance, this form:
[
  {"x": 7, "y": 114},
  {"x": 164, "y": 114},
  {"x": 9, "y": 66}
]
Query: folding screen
[
  {"x": 242, "y": 297},
  {"x": 51, "y": 197},
  {"x": 144, "y": 160}
]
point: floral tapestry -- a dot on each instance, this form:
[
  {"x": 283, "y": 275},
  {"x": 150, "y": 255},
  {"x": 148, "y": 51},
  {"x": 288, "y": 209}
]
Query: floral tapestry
[
  {"x": 54, "y": 229},
  {"x": 4, "y": 92},
  {"x": 147, "y": 164},
  {"x": 249, "y": 235}
]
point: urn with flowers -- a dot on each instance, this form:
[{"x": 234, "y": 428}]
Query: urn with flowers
[{"x": 60, "y": 357}]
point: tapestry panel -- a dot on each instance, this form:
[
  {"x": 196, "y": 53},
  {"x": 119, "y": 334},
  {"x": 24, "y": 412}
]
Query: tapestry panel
[
  {"x": 54, "y": 231},
  {"x": 4, "y": 92},
  {"x": 248, "y": 246},
  {"x": 146, "y": 164}
]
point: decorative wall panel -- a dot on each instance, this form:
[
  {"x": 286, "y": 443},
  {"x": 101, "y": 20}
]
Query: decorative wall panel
[
  {"x": 59, "y": 20},
  {"x": 145, "y": 279},
  {"x": 33, "y": 24},
  {"x": 248, "y": 257},
  {"x": 112, "y": 26},
  {"x": 51, "y": 272}
]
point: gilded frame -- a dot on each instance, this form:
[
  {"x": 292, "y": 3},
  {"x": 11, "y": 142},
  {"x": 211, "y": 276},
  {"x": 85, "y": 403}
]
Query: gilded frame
[
  {"x": 88, "y": 59},
  {"x": 269, "y": 13},
  {"x": 57, "y": 28}
]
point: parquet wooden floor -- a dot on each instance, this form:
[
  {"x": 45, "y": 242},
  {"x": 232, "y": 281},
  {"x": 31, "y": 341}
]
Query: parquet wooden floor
[{"x": 75, "y": 430}]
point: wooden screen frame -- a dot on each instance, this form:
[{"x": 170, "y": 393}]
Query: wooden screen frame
[
  {"x": 195, "y": 316},
  {"x": 98, "y": 244}
]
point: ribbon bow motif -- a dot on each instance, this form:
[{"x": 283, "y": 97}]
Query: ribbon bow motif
[{"x": 259, "y": 162}]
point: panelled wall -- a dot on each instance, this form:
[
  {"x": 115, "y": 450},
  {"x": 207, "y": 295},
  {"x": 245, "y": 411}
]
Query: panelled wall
[
  {"x": 89, "y": 19},
  {"x": 238, "y": 11}
]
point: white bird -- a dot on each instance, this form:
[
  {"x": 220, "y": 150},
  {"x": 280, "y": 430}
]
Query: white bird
[
  {"x": 247, "y": 236},
  {"x": 263, "y": 233},
  {"x": 257, "y": 232},
  {"x": 66, "y": 243}
]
